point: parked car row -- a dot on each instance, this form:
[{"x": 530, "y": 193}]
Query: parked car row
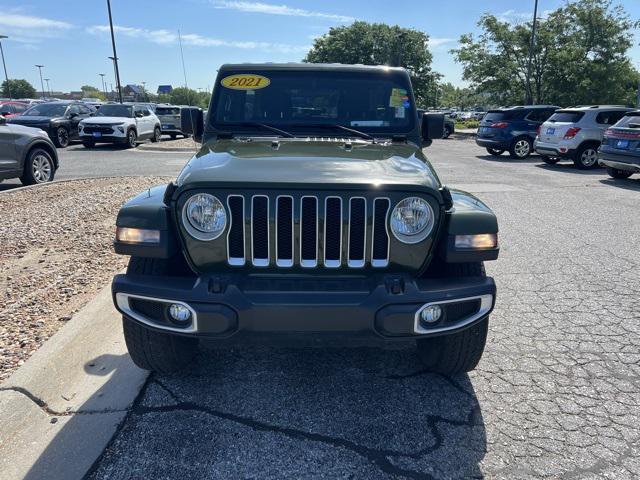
[{"x": 590, "y": 136}]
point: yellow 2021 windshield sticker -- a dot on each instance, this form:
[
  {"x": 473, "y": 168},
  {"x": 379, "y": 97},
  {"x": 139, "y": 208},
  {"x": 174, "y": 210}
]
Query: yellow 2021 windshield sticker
[{"x": 245, "y": 81}]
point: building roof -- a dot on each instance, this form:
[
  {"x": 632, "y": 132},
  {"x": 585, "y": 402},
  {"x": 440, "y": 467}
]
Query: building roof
[{"x": 137, "y": 89}]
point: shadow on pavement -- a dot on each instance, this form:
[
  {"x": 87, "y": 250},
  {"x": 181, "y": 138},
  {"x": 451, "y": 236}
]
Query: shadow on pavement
[
  {"x": 276, "y": 412},
  {"x": 632, "y": 183},
  {"x": 505, "y": 158},
  {"x": 570, "y": 168}
]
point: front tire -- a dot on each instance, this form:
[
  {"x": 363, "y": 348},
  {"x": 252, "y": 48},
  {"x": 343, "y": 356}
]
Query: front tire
[
  {"x": 495, "y": 152},
  {"x": 156, "y": 135},
  {"x": 157, "y": 351},
  {"x": 619, "y": 174},
  {"x": 447, "y": 132},
  {"x": 550, "y": 160},
  {"x": 61, "y": 137},
  {"x": 521, "y": 148},
  {"x": 88, "y": 143},
  {"x": 586, "y": 157},
  {"x": 38, "y": 168},
  {"x": 458, "y": 352},
  {"x": 132, "y": 139}
]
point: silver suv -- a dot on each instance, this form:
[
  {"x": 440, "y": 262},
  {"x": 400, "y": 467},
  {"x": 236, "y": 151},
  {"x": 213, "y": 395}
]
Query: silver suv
[{"x": 576, "y": 133}]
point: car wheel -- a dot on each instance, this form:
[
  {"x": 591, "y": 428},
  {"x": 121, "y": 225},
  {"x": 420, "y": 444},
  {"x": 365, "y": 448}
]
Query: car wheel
[
  {"x": 458, "y": 352},
  {"x": 38, "y": 168},
  {"x": 156, "y": 135},
  {"x": 521, "y": 148},
  {"x": 616, "y": 173},
  {"x": 447, "y": 132},
  {"x": 586, "y": 157},
  {"x": 495, "y": 152},
  {"x": 173, "y": 136},
  {"x": 132, "y": 139},
  {"x": 88, "y": 143},
  {"x": 550, "y": 160},
  {"x": 186, "y": 135},
  {"x": 61, "y": 138}
]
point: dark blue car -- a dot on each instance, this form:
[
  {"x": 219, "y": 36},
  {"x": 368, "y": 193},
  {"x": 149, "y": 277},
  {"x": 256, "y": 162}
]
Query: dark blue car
[
  {"x": 620, "y": 148},
  {"x": 512, "y": 129}
]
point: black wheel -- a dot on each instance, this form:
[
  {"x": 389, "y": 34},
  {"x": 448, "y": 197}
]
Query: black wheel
[
  {"x": 186, "y": 135},
  {"x": 458, "y": 352},
  {"x": 173, "y": 136},
  {"x": 550, "y": 160},
  {"x": 521, "y": 148},
  {"x": 156, "y": 135},
  {"x": 447, "y": 132},
  {"x": 495, "y": 152},
  {"x": 38, "y": 167},
  {"x": 586, "y": 157},
  {"x": 156, "y": 351},
  {"x": 132, "y": 139},
  {"x": 620, "y": 174},
  {"x": 88, "y": 143},
  {"x": 61, "y": 137}
]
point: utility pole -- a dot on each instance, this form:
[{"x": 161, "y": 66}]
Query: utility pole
[
  {"x": 399, "y": 46},
  {"x": 41, "y": 82},
  {"x": 104, "y": 87},
  {"x": 5, "y": 66},
  {"x": 48, "y": 87},
  {"x": 115, "y": 55},
  {"x": 532, "y": 44}
]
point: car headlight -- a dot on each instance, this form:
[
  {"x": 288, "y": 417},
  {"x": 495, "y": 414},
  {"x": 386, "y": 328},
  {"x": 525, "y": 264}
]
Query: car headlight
[
  {"x": 412, "y": 220},
  {"x": 204, "y": 217}
]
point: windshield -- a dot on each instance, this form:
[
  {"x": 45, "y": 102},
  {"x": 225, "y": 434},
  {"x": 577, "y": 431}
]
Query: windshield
[
  {"x": 115, "y": 111},
  {"x": 630, "y": 120},
  {"x": 167, "y": 110},
  {"x": 46, "y": 110},
  {"x": 298, "y": 100}
]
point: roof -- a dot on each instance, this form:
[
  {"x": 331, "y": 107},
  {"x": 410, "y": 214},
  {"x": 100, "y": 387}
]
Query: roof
[
  {"x": 309, "y": 66},
  {"x": 135, "y": 89},
  {"x": 598, "y": 107},
  {"x": 522, "y": 107}
]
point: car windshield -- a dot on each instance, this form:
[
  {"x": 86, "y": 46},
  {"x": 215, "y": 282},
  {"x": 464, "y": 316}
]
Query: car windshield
[
  {"x": 115, "y": 111},
  {"x": 566, "y": 117},
  {"x": 46, "y": 110},
  {"x": 630, "y": 120},
  {"x": 376, "y": 102},
  {"x": 167, "y": 110}
]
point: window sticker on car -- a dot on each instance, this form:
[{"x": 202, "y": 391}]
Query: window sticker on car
[
  {"x": 398, "y": 97},
  {"x": 245, "y": 81}
]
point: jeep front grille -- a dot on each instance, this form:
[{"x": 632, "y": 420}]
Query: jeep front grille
[{"x": 307, "y": 231}]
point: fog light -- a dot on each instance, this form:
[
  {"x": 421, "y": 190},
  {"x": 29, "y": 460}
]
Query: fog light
[
  {"x": 179, "y": 313},
  {"x": 431, "y": 314}
]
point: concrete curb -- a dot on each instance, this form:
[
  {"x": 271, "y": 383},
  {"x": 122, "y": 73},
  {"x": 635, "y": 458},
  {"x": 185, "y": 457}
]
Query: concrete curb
[
  {"x": 77, "y": 179},
  {"x": 61, "y": 408}
]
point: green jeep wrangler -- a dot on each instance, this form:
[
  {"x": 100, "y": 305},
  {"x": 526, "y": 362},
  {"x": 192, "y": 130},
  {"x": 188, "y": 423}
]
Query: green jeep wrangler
[{"x": 310, "y": 208}]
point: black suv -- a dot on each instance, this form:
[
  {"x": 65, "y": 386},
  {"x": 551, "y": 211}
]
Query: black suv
[
  {"x": 309, "y": 208},
  {"x": 59, "y": 119},
  {"x": 512, "y": 129}
]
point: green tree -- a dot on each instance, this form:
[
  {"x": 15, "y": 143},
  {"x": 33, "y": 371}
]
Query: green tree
[
  {"x": 379, "y": 44},
  {"x": 18, "y": 88},
  {"x": 188, "y": 96},
  {"x": 580, "y": 56},
  {"x": 463, "y": 98},
  {"x": 91, "y": 92}
]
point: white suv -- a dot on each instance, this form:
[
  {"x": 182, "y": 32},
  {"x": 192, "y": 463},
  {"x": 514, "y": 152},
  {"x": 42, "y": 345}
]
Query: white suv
[
  {"x": 576, "y": 133},
  {"x": 120, "y": 123}
]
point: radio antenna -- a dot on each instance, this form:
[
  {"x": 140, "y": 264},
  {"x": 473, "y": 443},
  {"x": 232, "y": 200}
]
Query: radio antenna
[{"x": 186, "y": 86}]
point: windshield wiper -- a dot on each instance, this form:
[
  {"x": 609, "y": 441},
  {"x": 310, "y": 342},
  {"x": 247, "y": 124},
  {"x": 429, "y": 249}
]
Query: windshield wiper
[
  {"x": 265, "y": 127},
  {"x": 337, "y": 127}
]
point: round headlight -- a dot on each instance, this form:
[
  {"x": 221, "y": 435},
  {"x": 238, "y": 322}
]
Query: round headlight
[
  {"x": 204, "y": 217},
  {"x": 412, "y": 220}
]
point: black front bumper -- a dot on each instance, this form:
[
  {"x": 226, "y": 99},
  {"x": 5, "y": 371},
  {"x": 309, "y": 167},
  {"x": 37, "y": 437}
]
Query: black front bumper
[
  {"x": 224, "y": 305},
  {"x": 496, "y": 144}
]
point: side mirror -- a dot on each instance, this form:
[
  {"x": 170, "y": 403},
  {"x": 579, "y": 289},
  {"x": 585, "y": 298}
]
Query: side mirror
[
  {"x": 192, "y": 122},
  {"x": 5, "y": 113},
  {"x": 73, "y": 115},
  {"x": 432, "y": 127},
  {"x": 139, "y": 114}
]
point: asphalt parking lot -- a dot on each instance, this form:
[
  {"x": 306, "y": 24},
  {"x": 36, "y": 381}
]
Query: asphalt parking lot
[{"x": 555, "y": 395}]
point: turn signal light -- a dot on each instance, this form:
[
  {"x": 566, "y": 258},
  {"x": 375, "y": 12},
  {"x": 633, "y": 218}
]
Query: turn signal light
[
  {"x": 137, "y": 235},
  {"x": 477, "y": 242}
]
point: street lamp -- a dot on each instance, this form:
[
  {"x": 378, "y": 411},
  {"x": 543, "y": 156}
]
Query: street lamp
[
  {"x": 48, "y": 87},
  {"x": 104, "y": 88},
  {"x": 41, "y": 82},
  {"x": 5, "y": 66},
  {"x": 529, "y": 100},
  {"x": 115, "y": 55},
  {"x": 115, "y": 75}
]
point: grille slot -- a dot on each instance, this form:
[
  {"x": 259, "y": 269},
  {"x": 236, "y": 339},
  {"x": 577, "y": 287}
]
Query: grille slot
[
  {"x": 380, "y": 248},
  {"x": 357, "y": 231},
  {"x": 353, "y": 232},
  {"x": 332, "y": 232},
  {"x": 260, "y": 230},
  {"x": 235, "y": 237},
  {"x": 284, "y": 231}
]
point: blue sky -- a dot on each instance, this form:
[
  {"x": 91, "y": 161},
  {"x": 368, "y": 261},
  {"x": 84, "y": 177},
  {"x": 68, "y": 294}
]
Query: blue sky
[{"x": 73, "y": 41}]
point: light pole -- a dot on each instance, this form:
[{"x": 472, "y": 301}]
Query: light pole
[
  {"x": 115, "y": 55},
  {"x": 48, "y": 87},
  {"x": 104, "y": 88},
  {"x": 41, "y": 82},
  {"x": 5, "y": 66},
  {"x": 115, "y": 75},
  {"x": 529, "y": 99}
]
